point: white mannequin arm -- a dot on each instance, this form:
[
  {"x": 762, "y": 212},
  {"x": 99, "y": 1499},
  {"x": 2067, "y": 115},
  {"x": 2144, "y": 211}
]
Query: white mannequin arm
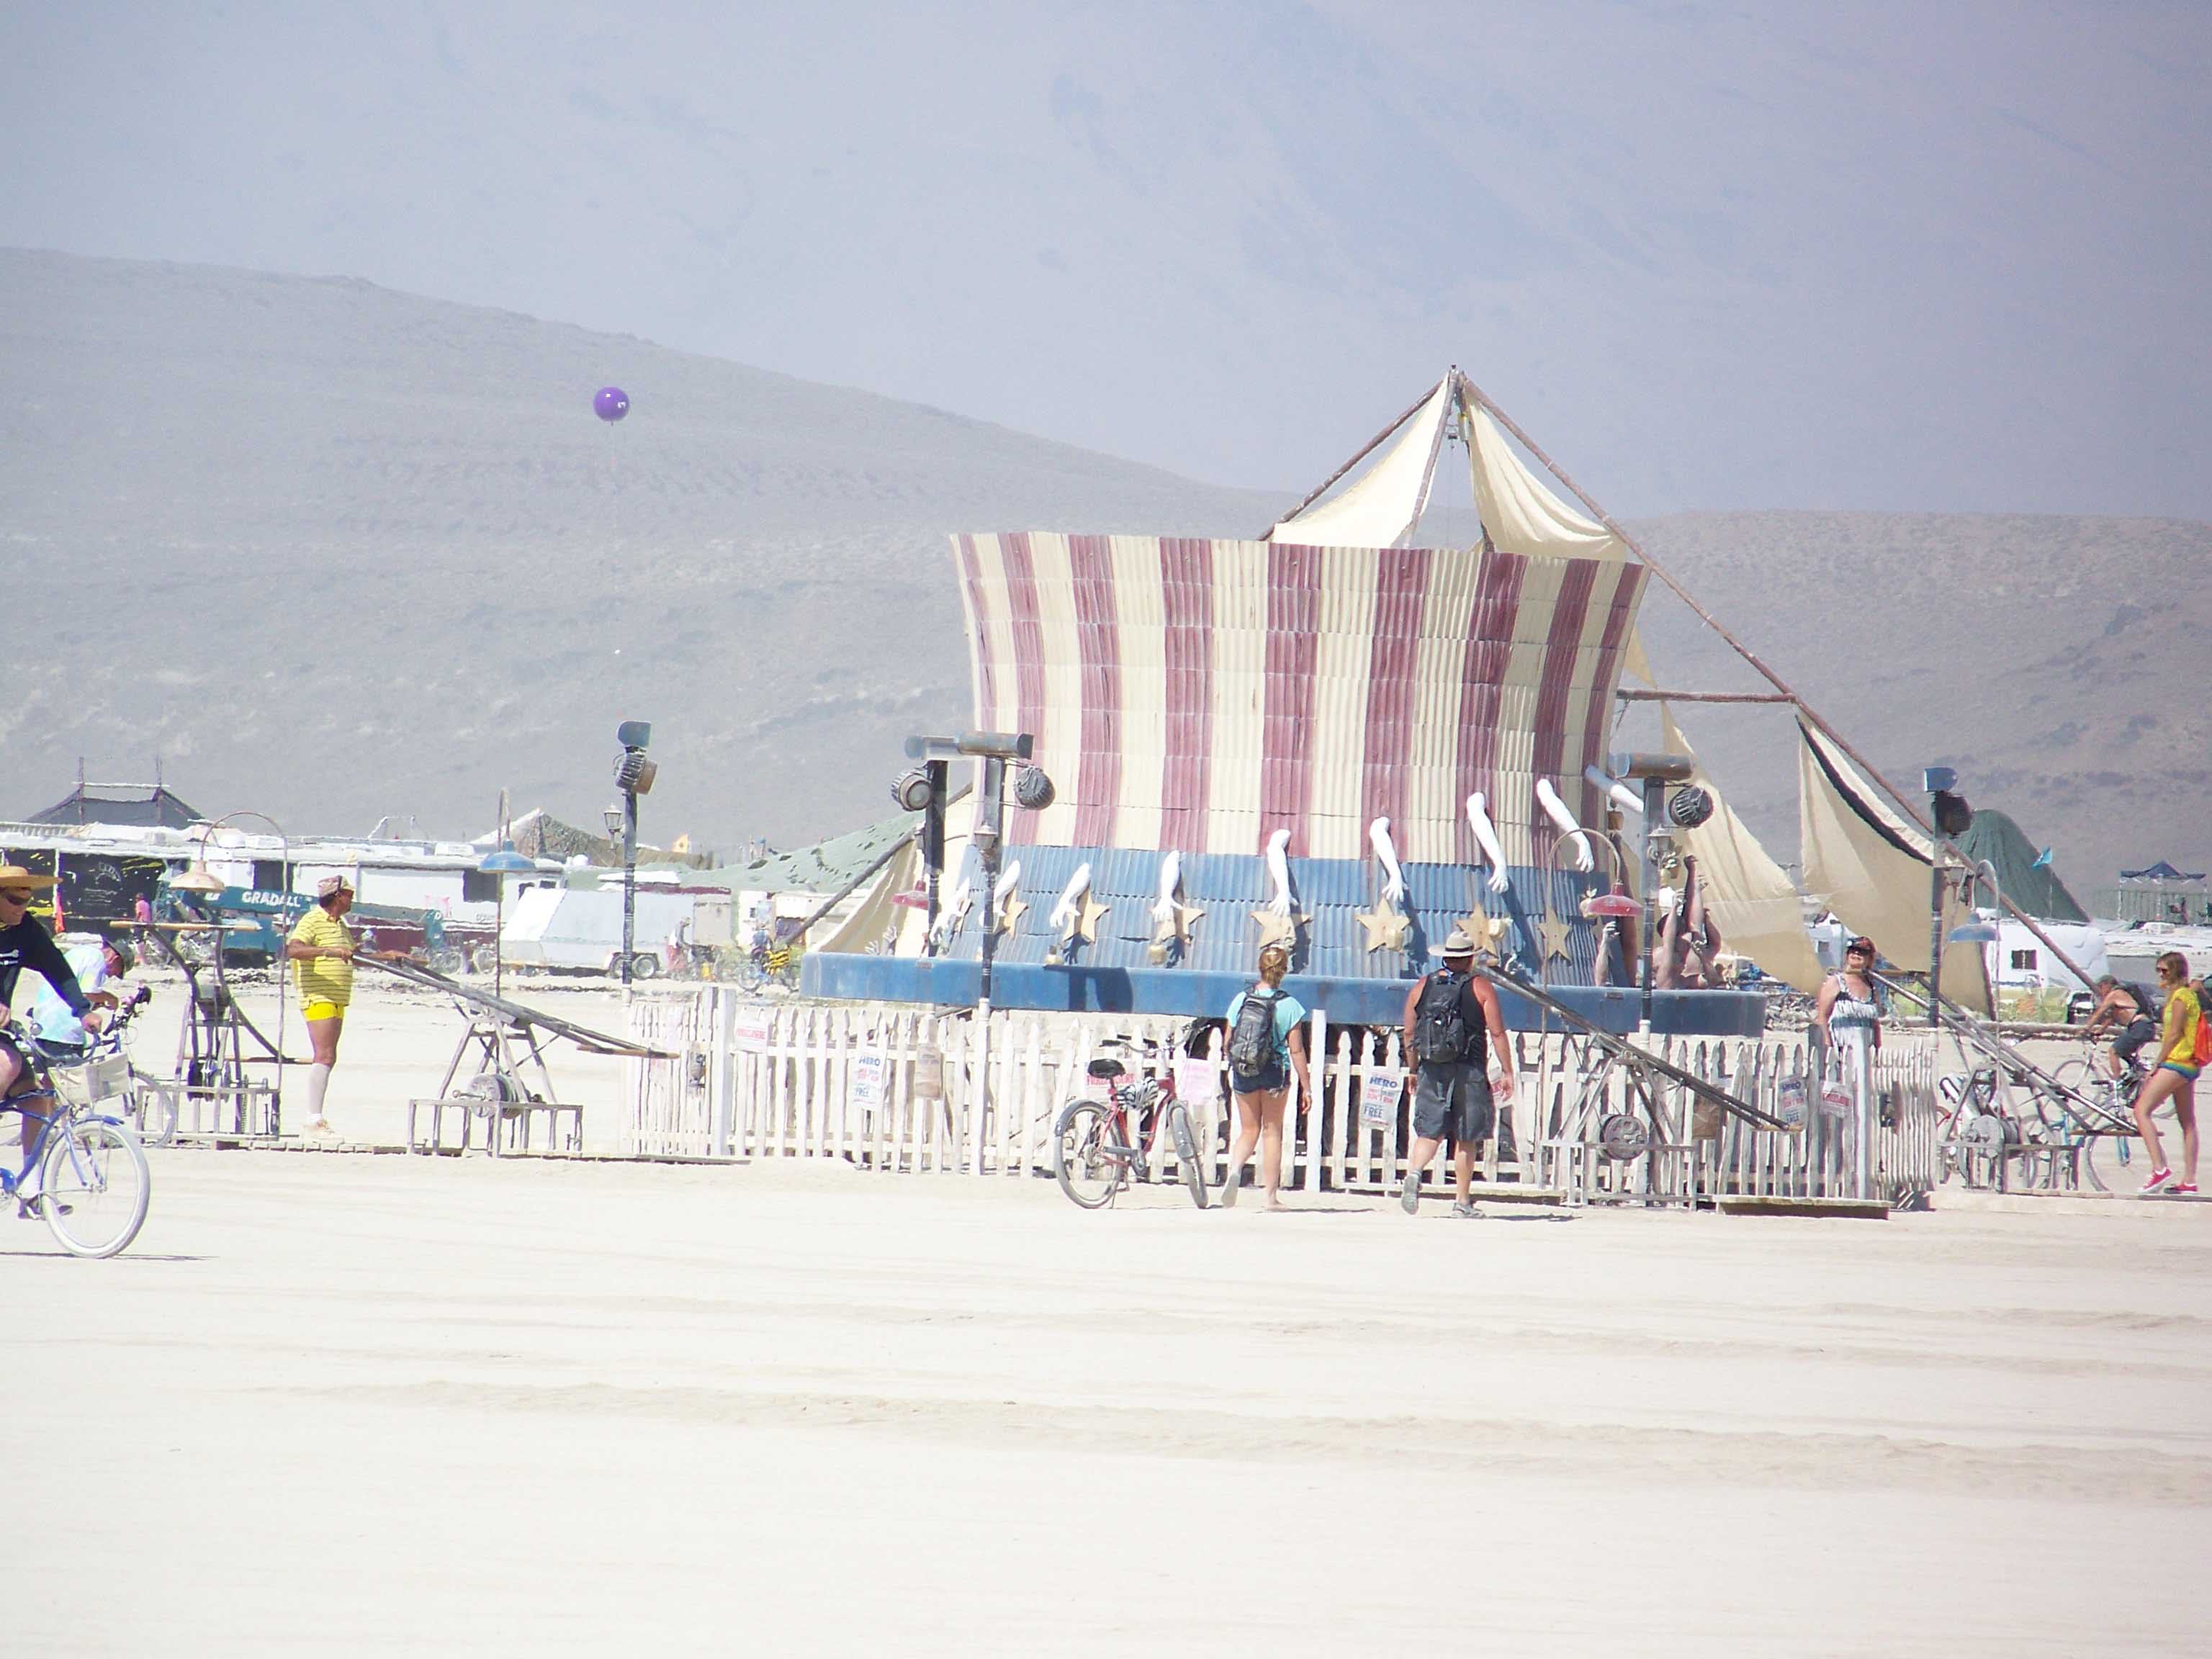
[
  {"x": 1393, "y": 879},
  {"x": 1485, "y": 837}
]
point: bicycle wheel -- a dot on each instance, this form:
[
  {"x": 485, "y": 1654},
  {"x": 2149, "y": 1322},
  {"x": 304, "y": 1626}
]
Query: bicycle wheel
[
  {"x": 1187, "y": 1158},
  {"x": 94, "y": 1187},
  {"x": 155, "y": 1103},
  {"x": 1085, "y": 1158},
  {"x": 2096, "y": 1149}
]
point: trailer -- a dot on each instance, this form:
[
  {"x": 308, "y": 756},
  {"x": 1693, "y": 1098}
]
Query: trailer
[{"x": 579, "y": 929}]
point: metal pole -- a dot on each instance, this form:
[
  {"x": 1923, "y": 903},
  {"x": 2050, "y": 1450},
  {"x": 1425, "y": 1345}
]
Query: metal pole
[
  {"x": 1655, "y": 806},
  {"x": 1940, "y": 847},
  {"x": 629, "y": 882},
  {"x": 1810, "y": 715},
  {"x": 991, "y": 811},
  {"x": 933, "y": 847}
]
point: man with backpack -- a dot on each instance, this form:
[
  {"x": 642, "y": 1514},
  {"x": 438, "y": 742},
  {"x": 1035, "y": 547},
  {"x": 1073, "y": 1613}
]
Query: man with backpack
[
  {"x": 1266, "y": 1041},
  {"x": 1455, "y": 1032}
]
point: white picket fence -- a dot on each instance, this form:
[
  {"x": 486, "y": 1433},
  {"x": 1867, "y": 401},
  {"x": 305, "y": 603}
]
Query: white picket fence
[{"x": 894, "y": 1087}]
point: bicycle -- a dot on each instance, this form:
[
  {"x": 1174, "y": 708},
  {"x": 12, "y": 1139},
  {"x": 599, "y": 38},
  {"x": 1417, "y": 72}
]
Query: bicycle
[
  {"x": 1099, "y": 1147},
  {"x": 2069, "y": 1111},
  {"x": 767, "y": 965},
  {"x": 93, "y": 1183}
]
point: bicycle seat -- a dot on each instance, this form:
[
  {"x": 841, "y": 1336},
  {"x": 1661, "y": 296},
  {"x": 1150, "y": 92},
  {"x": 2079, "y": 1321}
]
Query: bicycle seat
[{"x": 1106, "y": 1070}]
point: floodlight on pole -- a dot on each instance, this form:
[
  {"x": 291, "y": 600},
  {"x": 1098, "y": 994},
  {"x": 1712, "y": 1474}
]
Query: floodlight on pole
[
  {"x": 634, "y": 776},
  {"x": 1032, "y": 788},
  {"x": 1949, "y": 813}
]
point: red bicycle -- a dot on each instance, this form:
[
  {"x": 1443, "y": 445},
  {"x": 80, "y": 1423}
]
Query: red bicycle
[{"x": 1100, "y": 1146}]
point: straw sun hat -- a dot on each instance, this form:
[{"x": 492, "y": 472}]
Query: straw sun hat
[{"x": 15, "y": 875}]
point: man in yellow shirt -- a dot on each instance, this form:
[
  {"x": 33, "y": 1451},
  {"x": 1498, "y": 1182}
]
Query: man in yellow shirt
[{"x": 321, "y": 952}]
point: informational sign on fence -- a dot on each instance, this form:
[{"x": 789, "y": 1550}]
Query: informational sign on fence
[
  {"x": 870, "y": 1072},
  {"x": 1198, "y": 1082},
  {"x": 1380, "y": 1092},
  {"x": 929, "y": 1075},
  {"x": 1835, "y": 1101},
  {"x": 748, "y": 1031},
  {"x": 1790, "y": 1102}
]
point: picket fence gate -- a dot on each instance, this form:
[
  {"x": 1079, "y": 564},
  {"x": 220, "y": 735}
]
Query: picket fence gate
[{"x": 893, "y": 1087}]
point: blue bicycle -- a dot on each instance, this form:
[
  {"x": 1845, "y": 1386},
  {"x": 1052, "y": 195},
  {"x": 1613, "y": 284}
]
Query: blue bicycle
[{"x": 93, "y": 1184}]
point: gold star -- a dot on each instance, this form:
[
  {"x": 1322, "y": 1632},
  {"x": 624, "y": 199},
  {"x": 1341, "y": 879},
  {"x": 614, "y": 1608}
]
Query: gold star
[
  {"x": 1086, "y": 927},
  {"x": 1276, "y": 929},
  {"x": 1010, "y": 914},
  {"x": 1386, "y": 928},
  {"x": 1174, "y": 932},
  {"x": 1477, "y": 925},
  {"x": 1553, "y": 932}
]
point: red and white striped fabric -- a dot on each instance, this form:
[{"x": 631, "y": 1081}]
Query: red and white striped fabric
[{"x": 1200, "y": 694}]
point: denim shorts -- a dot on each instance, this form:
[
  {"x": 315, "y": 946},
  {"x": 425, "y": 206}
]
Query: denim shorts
[
  {"x": 2141, "y": 1033},
  {"x": 1454, "y": 1102},
  {"x": 1276, "y": 1074}
]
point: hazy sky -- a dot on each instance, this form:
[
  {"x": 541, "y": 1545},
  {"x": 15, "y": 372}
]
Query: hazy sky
[{"x": 1944, "y": 256}]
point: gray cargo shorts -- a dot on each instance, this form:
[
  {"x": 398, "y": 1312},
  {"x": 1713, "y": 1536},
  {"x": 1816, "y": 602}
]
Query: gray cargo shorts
[{"x": 1454, "y": 1102}]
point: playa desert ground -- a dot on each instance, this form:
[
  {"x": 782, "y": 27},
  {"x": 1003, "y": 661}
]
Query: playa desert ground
[{"x": 339, "y": 1403}]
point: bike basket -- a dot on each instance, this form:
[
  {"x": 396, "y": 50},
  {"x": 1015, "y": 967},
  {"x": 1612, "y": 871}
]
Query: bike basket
[{"x": 107, "y": 1076}]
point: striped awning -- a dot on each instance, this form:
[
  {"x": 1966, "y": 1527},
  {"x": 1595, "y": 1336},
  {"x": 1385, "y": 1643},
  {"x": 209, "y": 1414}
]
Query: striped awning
[{"x": 1201, "y": 695}]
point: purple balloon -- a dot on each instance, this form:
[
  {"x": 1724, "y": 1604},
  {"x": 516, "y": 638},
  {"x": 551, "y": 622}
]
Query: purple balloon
[{"x": 611, "y": 403}]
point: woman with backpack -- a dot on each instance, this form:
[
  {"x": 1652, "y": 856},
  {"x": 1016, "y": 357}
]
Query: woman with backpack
[
  {"x": 2184, "y": 1046},
  {"x": 1267, "y": 1043}
]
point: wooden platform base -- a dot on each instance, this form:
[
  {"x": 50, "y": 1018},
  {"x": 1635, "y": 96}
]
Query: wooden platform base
[{"x": 1848, "y": 1209}]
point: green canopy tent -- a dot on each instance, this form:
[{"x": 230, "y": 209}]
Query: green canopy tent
[{"x": 2026, "y": 878}]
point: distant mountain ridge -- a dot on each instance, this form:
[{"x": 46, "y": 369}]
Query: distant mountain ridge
[{"x": 333, "y": 552}]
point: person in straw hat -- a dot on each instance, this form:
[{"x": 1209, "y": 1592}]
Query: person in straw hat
[
  {"x": 25, "y": 944},
  {"x": 321, "y": 951},
  {"x": 1454, "y": 1032}
]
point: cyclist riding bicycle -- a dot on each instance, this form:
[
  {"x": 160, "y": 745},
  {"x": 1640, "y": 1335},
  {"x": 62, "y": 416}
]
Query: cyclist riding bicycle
[
  {"x": 2121, "y": 1007},
  {"x": 25, "y": 944}
]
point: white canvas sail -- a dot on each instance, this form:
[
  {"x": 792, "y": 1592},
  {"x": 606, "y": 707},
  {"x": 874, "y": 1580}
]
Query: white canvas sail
[
  {"x": 1751, "y": 898},
  {"x": 1871, "y": 868},
  {"x": 1386, "y": 501},
  {"x": 1523, "y": 516}
]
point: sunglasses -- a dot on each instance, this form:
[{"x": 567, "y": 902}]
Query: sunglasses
[{"x": 23, "y": 899}]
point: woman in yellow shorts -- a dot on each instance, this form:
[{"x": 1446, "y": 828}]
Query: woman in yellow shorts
[
  {"x": 2174, "y": 1078},
  {"x": 321, "y": 951}
]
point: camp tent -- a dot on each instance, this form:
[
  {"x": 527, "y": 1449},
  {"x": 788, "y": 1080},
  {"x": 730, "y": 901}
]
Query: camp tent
[{"x": 2022, "y": 874}]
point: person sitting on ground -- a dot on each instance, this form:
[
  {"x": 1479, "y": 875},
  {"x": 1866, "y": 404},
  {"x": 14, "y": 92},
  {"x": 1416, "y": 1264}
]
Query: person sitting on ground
[
  {"x": 2120, "y": 1007},
  {"x": 1262, "y": 1089},
  {"x": 1454, "y": 1029},
  {"x": 2174, "y": 1079},
  {"x": 25, "y": 944}
]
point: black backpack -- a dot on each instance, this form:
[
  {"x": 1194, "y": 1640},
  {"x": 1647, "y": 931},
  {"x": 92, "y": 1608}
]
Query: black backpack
[
  {"x": 1252, "y": 1039},
  {"x": 1440, "y": 1033}
]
